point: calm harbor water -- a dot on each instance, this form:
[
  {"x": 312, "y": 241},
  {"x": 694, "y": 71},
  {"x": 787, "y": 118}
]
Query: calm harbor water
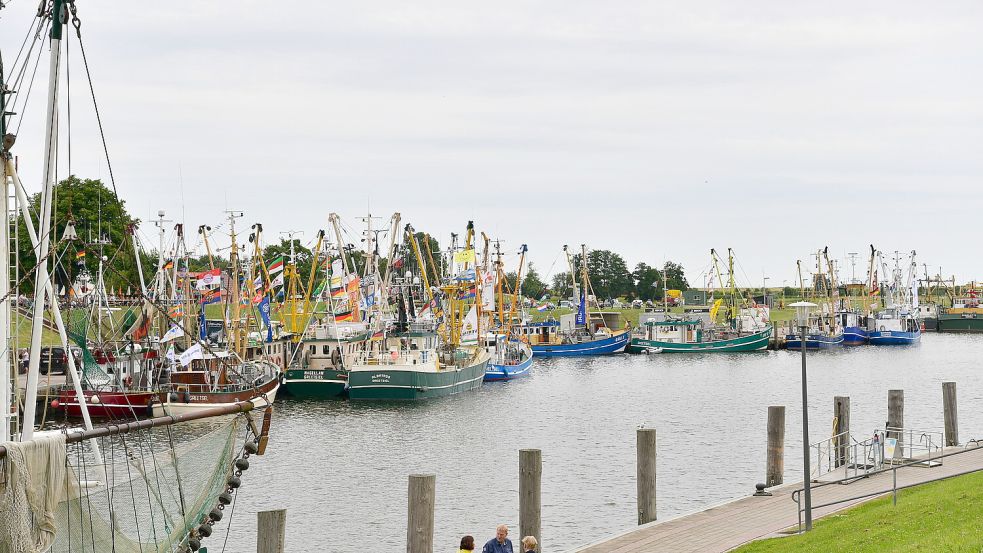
[{"x": 341, "y": 468}]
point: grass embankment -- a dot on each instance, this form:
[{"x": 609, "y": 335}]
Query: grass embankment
[{"x": 941, "y": 516}]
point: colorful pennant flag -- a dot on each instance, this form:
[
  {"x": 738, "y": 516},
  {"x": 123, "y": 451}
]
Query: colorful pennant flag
[{"x": 276, "y": 266}]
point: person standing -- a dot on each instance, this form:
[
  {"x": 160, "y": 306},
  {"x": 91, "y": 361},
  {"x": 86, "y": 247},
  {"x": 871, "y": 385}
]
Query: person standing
[
  {"x": 467, "y": 544},
  {"x": 529, "y": 544},
  {"x": 500, "y": 543}
]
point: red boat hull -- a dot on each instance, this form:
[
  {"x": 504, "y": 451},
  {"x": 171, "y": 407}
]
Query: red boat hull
[{"x": 108, "y": 404}]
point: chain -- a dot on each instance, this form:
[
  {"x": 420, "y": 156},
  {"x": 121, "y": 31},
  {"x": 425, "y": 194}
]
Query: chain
[{"x": 76, "y": 22}]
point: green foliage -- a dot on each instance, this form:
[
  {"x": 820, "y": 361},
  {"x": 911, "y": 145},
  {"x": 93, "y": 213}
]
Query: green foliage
[
  {"x": 304, "y": 257},
  {"x": 532, "y": 285},
  {"x": 648, "y": 282},
  {"x": 98, "y": 216},
  {"x": 675, "y": 277},
  {"x": 608, "y": 273},
  {"x": 560, "y": 286}
]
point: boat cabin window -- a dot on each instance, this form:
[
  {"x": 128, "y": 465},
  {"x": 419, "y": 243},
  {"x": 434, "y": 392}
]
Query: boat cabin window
[
  {"x": 313, "y": 349},
  {"x": 325, "y": 349}
]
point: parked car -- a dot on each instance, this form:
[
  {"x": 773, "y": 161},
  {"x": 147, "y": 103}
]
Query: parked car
[
  {"x": 53, "y": 359},
  {"x": 566, "y": 304}
]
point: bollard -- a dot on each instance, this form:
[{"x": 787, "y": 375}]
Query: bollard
[
  {"x": 775, "y": 463},
  {"x": 530, "y": 494},
  {"x": 949, "y": 414},
  {"x": 421, "y": 498},
  {"x": 841, "y": 443},
  {"x": 271, "y": 527},
  {"x": 646, "y": 451},
  {"x": 895, "y": 419}
]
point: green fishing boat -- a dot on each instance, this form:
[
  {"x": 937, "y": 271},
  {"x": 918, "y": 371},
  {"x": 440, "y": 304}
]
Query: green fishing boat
[{"x": 688, "y": 336}]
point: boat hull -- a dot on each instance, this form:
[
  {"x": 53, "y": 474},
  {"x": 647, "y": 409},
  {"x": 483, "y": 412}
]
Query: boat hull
[
  {"x": 854, "y": 336},
  {"x": 813, "y": 341},
  {"x": 395, "y": 384},
  {"x": 315, "y": 384},
  {"x": 603, "y": 346},
  {"x": 960, "y": 323},
  {"x": 751, "y": 342},
  {"x": 498, "y": 373},
  {"x": 107, "y": 404},
  {"x": 893, "y": 337},
  {"x": 174, "y": 403}
]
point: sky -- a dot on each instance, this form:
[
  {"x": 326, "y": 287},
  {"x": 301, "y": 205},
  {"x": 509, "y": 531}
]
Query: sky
[{"x": 658, "y": 130}]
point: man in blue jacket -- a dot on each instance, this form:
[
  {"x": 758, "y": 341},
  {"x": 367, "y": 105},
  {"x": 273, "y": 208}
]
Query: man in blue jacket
[{"x": 500, "y": 543}]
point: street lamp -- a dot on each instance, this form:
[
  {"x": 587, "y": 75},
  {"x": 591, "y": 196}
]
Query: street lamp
[{"x": 802, "y": 309}]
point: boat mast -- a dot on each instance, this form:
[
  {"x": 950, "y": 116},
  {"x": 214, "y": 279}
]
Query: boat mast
[
  {"x": 585, "y": 283},
  {"x": 234, "y": 338},
  {"x": 7, "y": 380},
  {"x": 59, "y": 16}
]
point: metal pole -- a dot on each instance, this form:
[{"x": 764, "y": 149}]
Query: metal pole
[{"x": 805, "y": 435}]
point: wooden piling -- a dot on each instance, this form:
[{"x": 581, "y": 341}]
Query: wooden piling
[
  {"x": 421, "y": 498},
  {"x": 646, "y": 451},
  {"x": 775, "y": 463},
  {"x": 271, "y": 529},
  {"x": 949, "y": 414},
  {"x": 895, "y": 418},
  {"x": 530, "y": 494},
  {"x": 841, "y": 443}
]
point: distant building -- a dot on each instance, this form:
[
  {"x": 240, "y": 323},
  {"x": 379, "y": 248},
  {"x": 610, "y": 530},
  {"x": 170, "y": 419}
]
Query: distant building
[{"x": 695, "y": 297}]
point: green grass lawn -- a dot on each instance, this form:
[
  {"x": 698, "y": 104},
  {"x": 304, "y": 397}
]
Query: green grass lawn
[{"x": 941, "y": 516}]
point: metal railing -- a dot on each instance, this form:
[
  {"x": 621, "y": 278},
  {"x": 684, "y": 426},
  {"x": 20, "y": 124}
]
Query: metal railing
[
  {"x": 844, "y": 452},
  {"x": 912, "y": 443},
  {"x": 893, "y": 490}
]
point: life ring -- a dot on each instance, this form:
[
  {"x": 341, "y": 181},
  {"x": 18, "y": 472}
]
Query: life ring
[
  {"x": 882, "y": 328},
  {"x": 128, "y": 381}
]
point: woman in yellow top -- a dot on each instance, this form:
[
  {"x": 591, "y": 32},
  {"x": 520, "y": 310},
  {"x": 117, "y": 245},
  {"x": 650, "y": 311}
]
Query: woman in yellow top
[{"x": 467, "y": 544}]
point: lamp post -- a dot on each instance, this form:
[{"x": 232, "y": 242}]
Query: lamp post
[{"x": 802, "y": 309}]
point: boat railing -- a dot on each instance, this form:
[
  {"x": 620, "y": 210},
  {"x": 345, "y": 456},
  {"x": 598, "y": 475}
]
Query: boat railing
[{"x": 395, "y": 357}]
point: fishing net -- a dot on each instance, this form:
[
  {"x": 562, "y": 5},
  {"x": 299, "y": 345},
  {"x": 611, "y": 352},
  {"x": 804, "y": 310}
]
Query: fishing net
[
  {"x": 31, "y": 485},
  {"x": 147, "y": 495},
  {"x": 92, "y": 374}
]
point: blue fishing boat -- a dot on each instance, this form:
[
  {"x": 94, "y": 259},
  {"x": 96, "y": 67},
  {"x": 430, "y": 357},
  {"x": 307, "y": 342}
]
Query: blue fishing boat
[
  {"x": 825, "y": 328},
  {"x": 510, "y": 359},
  {"x": 579, "y": 334},
  {"x": 897, "y": 324},
  {"x": 854, "y": 328}
]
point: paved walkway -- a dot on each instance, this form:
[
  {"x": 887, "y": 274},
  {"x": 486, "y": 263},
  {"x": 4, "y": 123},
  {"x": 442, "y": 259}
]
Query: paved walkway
[{"x": 730, "y": 525}]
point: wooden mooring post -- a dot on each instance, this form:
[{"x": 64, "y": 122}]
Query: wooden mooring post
[
  {"x": 646, "y": 452},
  {"x": 949, "y": 414},
  {"x": 530, "y": 494},
  {"x": 421, "y": 498},
  {"x": 271, "y": 529},
  {"x": 775, "y": 463},
  {"x": 841, "y": 442},
  {"x": 895, "y": 419}
]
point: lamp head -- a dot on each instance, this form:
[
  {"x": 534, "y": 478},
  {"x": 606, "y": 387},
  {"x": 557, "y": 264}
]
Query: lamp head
[{"x": 802, "y": 309}]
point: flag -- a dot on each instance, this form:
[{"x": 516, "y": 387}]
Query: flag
[
  {"x": 141, "y": 327},
  {"x": 174, "y": 332},
  {"x": 202, "y": 326},
  {"x": 467, "y": 293},
  {"x": 276, "y": 266},
  {"x": 398, "y": 264},
  {"x": 581, "y": 318},
  {"x": 170, "y": 353},
  {"x": 542, "y": 307},
  {"x": 466, "y": 275},
  {"x": 209, "y": 279},
  {"x": 466, "y": 256},
  {"x": 278, "y": 281},
  {"x": 469, "y": 329},
  {"x": 426, "y": 308},
  {"x": 378, "y": 335},
  {"x": 544, "y": 298},
  {"x": 874, "y": 288},
  {"x": 264, "y": 312},
  {"x": 211, "y": 296},
  {"x": 337, "y": 272},
  {"x": 176, "y": 311},
  {"x": 343, "y": 317},
  {"x": 339, "y": 293},
  {"x": 190, "y": 354},
  {"x": 353, "y": 282},
  {"x": 258, "y": 282},
  {"x": 80, "y": 255},
  {"x": 319, "y": 288},
  {"x": 169, "y": 265}
]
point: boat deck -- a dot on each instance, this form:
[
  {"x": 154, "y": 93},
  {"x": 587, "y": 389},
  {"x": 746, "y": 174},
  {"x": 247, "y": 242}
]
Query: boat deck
[{"x": 732, "y": 524}]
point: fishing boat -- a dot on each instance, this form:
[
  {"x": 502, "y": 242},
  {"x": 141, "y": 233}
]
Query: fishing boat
[
  {"x": 744, "y": 326},
  {"x": 204, "y": 375},
  {"x": 510, "y": 357},
  {"x": 824, "y": 330},
  {"x": 428, "y": 357},
  {"x": 897, "y": 323},
  {"x": 584, "y": 333}
]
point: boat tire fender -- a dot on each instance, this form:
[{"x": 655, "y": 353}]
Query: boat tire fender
[{"x": 187, "y": 396}]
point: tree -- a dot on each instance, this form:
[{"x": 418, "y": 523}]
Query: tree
[
  {"x": 101, "y": 223},
  {"x": 561, "y": 285},
  {"x": 608, "y": 273},
  {"x": 532, "y": 285},
  {"x": 675, "y": 277},
  {"x": 303, "y": 257},
  {"x": 648, "y": 282}
]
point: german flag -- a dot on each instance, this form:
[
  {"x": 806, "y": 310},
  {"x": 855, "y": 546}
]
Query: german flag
[
  {"x": 343, "y": 317},
  {"x": 80, "y": 255}
]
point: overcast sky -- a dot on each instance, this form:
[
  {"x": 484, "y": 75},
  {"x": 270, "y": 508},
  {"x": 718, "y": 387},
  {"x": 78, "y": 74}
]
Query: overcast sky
[{"x": 655, "y": 129}]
